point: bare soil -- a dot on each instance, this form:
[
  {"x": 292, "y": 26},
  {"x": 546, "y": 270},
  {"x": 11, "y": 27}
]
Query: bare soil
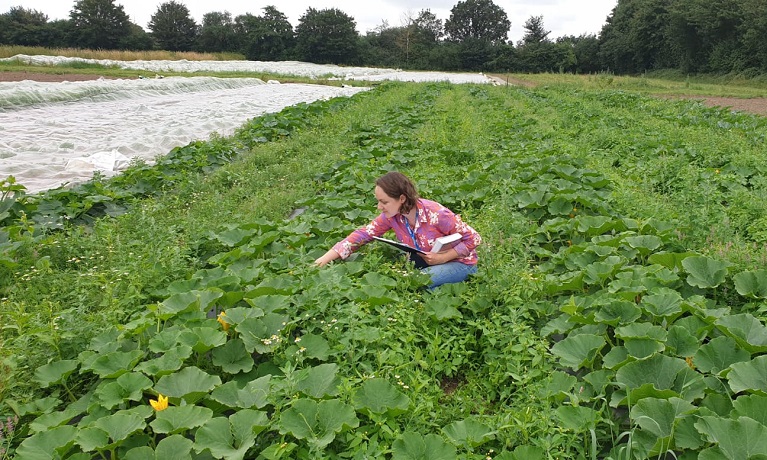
[{"x": 756, "y": 105}]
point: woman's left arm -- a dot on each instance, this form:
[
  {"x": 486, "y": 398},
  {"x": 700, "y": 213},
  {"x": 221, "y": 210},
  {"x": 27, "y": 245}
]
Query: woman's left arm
[{"x": 448, "y": 223}]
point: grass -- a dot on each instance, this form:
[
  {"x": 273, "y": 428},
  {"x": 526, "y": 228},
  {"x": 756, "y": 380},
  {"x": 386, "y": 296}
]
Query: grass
[
  {"x": 7, "y": 51},
  {"x": 668, "y": 84}
]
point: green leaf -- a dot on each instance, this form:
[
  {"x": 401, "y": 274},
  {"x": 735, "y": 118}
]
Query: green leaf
[
  {"x": 657, "y": 416},
  {"x": 737, "y": 439},
  {"x": 642, "y": 339},
  {"x": 254, "y": 394},
  {"x": 659, "y": 370},
  {"x": 91, "y": 439},
  {"x": 191, "y": 383},
  {"x": 579, "y": 350},
  {"x": 377, "y": 295},
  {"x": 527, "y": 453},
  {"x": 746, "y": 329},
  {"x": 441, "y": 308},
  {"x": 271, "y": 303},
  {"x": 645, "y": 244},
  {"x": 170, "y": 361},
  {"x": 140, "y": 453},
  {"x": 233, "y": 357},
  {"x": 120, "y": 425},
  {"x": 319, "y": 381},
  {"x": 316, "y": 346},
  {"x": 660, "y": 376},
  {"x": 53, "y": 419},
  {"x": 261, "y": 334},
  {"x": 379, "y": 396},
  {"x": 578, "y": 418},
  {"x": 469, "y": 433},
  {"x": 203, "y": 339},
  {"x": 752, "y": 406},
  {"x": 174, "y": 447},
  {"x": 618, "y": 312},
  {"x": 47, "y": 445},
  {"x": 127, "y": 387},
  {"x": 318, "y": 423},
  {"x": 114, "y": 364},
  {"x": 186, "y": 302},
  {"x": 681, "y": 342},
  {"x": 670, "y": 260},
  {"x": 718, "y": 354},
  {"x": 177, "y": 419},
  {"x": 377, "y": 279},
  {"x": 594, "y": 225},
  {"x": 752, "y": 284},
  {"x": 55, "y": 372},
  {"x": 704, "y": 272},
  {"x": 235, "y": 236},
  {"x": 231, "y": 438},
  {"x": 560, "y": 206},
  {"x": 749, "y": 376},
  {"x": 278, "y": 284},
  {"x": 414, "y": 446},
  {"x": 665, "y": 305}
]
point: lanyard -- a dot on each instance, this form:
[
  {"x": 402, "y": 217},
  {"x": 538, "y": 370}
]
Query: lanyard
[{"x": 410, "y": 230}]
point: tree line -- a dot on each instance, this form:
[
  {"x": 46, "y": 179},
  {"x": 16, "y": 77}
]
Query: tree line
[{"x": 692, "y": 36}]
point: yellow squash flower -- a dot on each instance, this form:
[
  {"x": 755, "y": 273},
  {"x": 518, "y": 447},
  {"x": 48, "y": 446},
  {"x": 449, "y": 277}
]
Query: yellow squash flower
[
  {"x": 160, "y": 404},
  {"x": 220, "y": 319}
]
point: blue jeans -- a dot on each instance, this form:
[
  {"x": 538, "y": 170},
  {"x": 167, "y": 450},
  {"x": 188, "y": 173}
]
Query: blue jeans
[{"x": 451, "y": 272}]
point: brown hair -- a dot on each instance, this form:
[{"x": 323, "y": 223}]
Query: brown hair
[{"x": 395, "y": 184}]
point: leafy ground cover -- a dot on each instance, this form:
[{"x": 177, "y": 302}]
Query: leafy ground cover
[{"x": 618, "y": 310}]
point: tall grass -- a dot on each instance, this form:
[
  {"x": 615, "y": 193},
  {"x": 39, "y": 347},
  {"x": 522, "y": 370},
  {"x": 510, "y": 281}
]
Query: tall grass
[
  {"x": 117, "y": 55},
  {"x": 662, "y": 83}
]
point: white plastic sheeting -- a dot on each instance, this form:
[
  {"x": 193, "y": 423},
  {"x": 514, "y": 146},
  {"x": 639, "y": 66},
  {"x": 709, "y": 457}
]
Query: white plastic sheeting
[{"x": 46, "y": 126}]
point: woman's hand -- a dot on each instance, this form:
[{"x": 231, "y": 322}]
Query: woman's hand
[
  {"x": 438, "y": 258},
  {"x": 329, "y": 256}
]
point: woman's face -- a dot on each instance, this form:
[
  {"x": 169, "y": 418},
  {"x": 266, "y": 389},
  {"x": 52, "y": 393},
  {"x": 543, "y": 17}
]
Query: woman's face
[{"x": 388, "y": 205}]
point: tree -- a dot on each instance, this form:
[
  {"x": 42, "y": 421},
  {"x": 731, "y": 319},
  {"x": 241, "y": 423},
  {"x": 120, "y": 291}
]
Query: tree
[
  {"x": 535, "y": 32},
  {"x": 59, "y": 34},
  {"x": 707, "y": 34},
  {"x": 427, "y": 32},
  {"x": 479, "y": 20},
  {"x": 21, "y": 26},
  {"x": 265, "y": 38},
  {"x": 636, "y": 37},
  {"x": 429, "y": 27},
  {"x": 327, "y": 36},
  {"x": 99, "y": 24},
  {"x": 753, "y": 29},
  {"x": 217, "y": 33},
  {"x": 536, "y": 53},
  {"x": 138, "y": 39},
  {"x": 585, "y": 47},
  {"x": 172, "y": 27}
]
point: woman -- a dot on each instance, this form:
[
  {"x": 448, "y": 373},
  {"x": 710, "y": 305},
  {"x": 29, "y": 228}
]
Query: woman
[{"x": 416, "y": 222}]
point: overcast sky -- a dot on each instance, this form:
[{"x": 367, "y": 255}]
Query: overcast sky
[{"x": 561, "y": 17}]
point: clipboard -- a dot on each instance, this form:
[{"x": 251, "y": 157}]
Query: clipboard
[{"x": 414, "y": 253}]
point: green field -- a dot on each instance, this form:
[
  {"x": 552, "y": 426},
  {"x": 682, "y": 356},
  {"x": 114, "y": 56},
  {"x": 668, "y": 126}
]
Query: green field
[{"x": 618, "y": 311}]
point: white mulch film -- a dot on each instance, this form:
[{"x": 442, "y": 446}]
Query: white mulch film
[{"x": 53, "y": 134}]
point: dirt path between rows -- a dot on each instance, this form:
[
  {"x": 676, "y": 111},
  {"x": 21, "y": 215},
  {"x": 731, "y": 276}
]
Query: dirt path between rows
[{"x": 755, "y": 105}]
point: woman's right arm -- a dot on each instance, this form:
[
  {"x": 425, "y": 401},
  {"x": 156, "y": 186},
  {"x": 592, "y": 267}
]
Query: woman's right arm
[
  {"x": 329, "y": 256},
  {"x": 357, "y": 238}
]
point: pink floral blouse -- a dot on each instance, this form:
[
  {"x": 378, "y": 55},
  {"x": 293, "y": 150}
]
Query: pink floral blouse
[{"x": 433, "y": 221}]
